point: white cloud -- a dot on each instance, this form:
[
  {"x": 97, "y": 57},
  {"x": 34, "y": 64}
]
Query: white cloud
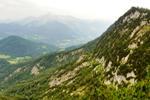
[
  {"x": 99, "y": 9},
  {"x": 17, "y": 9}
]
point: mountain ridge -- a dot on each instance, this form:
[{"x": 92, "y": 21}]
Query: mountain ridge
[{"x": 133, "y": 22}]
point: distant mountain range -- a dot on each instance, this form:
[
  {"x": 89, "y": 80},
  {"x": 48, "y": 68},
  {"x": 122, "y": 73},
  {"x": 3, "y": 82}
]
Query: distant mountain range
[
  {"x": 19, "y": 47},
  {"x": 61, "y": 31}
]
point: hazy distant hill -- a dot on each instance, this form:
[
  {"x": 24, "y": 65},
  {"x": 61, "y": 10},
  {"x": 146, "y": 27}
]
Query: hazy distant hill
[{"x": 17, "y": 46}]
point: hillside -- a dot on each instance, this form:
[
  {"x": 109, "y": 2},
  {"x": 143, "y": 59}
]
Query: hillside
[
  {"x": 115, "y": 66},
  {"x": 19, "y": 47},
  {"x": 124, "y": 47},
  {"x": 32, "y": 68},
  {"x": 15, "y": 53},
  {"x": 11, "y": 98}
]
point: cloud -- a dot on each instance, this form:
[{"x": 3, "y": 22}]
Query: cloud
[
  {"x": 17, "y": 9},
  {"x": 89, "y": 9}
]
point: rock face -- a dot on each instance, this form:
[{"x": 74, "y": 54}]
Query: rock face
[
  {"x": 126, "y": 44},
  {"x": 35, "y": 71},
  {"x": 66, "y": 76}
]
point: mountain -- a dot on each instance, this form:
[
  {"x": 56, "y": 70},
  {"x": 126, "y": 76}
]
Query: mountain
[
  {"x": 124, "y": 47},
  {"x": 61, "y": 31},
  {"x": 115, "y": 66},
  {"x": 19, "y": 47}
]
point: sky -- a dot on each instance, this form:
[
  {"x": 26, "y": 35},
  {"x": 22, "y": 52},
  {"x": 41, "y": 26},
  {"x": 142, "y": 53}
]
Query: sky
[{"x": 108, "y": 10}]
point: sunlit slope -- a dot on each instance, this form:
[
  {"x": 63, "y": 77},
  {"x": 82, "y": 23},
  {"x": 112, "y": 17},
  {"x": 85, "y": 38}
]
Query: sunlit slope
[{"x": 114, "y": 66}]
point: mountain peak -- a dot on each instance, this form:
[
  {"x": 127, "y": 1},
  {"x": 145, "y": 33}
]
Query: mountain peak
[
  {"x": 135, "y": 13},
  {"x": 137, "y": 9}
]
